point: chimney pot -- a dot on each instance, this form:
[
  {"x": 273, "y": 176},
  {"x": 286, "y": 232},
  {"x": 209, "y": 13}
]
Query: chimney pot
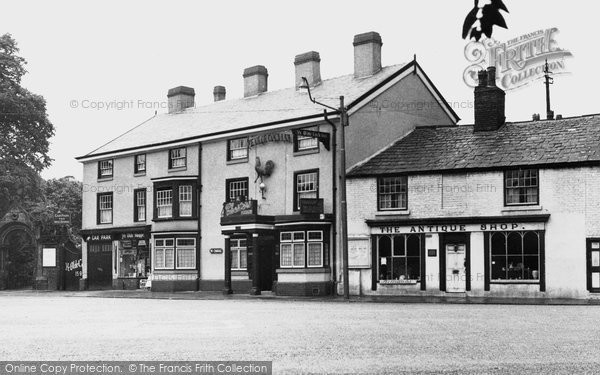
[
  {"x": 219, "y": 93},
  {"x": 180, "y": 98},
  {"x": 482, "y": 75},
  {"x": 307, "y": 65},
  {"x": 491, "y": 76},
  {"x": 255, "y": 80},
  {"x": 367, "y": 54}
]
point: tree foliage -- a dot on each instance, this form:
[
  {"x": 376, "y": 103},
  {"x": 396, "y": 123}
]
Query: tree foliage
[{"x": 24, "y": 131}]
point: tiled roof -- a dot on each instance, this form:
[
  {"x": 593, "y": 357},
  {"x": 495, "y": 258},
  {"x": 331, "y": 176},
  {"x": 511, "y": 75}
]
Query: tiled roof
[
  {"x": 569, "y": 140},
  {"x": 228, "y": 115}
]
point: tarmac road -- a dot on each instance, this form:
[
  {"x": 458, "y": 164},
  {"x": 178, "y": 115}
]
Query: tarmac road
[{"x": 305, "y": 336}]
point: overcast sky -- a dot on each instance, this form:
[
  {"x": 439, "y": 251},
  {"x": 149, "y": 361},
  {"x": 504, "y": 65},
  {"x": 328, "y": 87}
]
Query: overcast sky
[{"x": 84, "y": 52}]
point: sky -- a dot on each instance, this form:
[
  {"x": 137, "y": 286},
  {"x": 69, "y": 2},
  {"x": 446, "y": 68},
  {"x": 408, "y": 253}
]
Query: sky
[{"x": 106, "y": 66}]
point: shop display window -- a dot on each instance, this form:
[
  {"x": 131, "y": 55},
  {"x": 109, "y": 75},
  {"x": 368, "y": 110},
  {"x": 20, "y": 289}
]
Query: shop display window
[{"x": 515, "y": 255}]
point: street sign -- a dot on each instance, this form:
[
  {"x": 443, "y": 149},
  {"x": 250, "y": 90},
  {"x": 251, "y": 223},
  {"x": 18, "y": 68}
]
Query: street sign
[
  {"x": 61, "y": 219},
  {"x": 321, "y": 136},
  {"x": 311, "y": 206}
]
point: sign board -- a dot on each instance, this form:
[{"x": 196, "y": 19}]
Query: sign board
[
  {"x": 323, "y": 137},
  {"x": 270, "y": 137},
  {"x": 459, "y": 228},
  {"x": 239, "y": 208},
  {"x": 216, "y": 251},
  {"x": 311, "y": 206},
  {"x": 100, "y": 237},
  {"x": 431, "y": 252},
  {"x": 132, "y": 236},
  {"x": 61, "y": 219},
  {"x": 49, "y": 257},
  {"x": 359, "y": 254}
]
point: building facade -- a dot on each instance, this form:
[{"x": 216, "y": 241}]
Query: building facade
[
  {"x": 240, "y": 195},
  {"x": 494, "y": 209}
]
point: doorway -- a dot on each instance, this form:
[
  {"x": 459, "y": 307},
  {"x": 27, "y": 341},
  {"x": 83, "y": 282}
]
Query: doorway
[
  {"x": 100, "y": 265},
  {"x": 593, "y": 265},
  {"x": 455, "y": 258}
]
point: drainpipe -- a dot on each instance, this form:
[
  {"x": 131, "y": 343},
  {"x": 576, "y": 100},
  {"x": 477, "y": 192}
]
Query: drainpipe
[
  {"x": 198, "y": 211},
  {"x": 333, "y": 200}
]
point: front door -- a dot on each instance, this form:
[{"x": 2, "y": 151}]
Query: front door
[
  {"x": 593, "y": 265},
  {"x": 456, "y": 277}
]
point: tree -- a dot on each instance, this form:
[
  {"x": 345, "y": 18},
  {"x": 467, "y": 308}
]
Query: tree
[
  {"x": 482, "y": 18},
  {"x": 24, "y": 131}
]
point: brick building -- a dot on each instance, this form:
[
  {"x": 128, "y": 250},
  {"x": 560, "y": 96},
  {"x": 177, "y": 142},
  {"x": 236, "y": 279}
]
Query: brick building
[
  {"x": 492, "y": 209},
  {"x": 239, "y": 194}
]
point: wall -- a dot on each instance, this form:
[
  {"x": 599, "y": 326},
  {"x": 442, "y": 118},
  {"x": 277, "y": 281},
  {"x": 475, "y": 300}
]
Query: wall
[{"x": 570, "y": 196}]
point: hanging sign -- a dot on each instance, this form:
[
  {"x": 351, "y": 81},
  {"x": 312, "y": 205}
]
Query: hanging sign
[{"x": 324, "y": 138}]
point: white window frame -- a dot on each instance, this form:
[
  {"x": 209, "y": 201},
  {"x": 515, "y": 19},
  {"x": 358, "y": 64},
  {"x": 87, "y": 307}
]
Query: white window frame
[
  {"x": 103, "y": 207},
  {"x": 138, "y": 164},
  {"x": 176, "y": 155},
  {"x": 243, "y": 145},
  {"x": 163, "y": 205},
  {"x": 104, "y": 166},
  {"x": 164, "y": 248},
  {"x": 402, "y": 194},
  {"x": 238, "y": 251},
  {"x": 191, "y": 248},
  {"x": 140, "y": 206},
  {"x": 232, "y": 197},
  {"x": 302, "y": 194},
  {"x": 186, "y": 196},
  {"x": 313, "y": 241}
]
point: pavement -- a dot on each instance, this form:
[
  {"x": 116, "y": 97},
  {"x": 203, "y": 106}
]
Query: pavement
[{"x": 206, "y": 295}]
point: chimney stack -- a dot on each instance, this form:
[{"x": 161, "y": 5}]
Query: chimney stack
[
  {"x": 489, "y": 102},
  {"x": 219, "y": 93},
  {"x": 180, "y": 98},
  {"x": 308, "y": 65},
  {"x": 255, "y": 80},
  {"x": 367, "y": 54}
]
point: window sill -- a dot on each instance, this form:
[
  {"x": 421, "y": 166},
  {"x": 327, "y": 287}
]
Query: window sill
[
  {"x": 159, "y": 271},
  {"x": 177, "y": 169},
  {"x": 139, "y": 174},
  {"x": 237, "y": 161},
  {"x": 104, "y": 179},
  {"x": 161, "y": 219},
  {"x": 388, "y": 213},
  {"x": 307, "y": 152},
  {"x": 521, "y": 208},
  {"x": 398, "y": 282},
  {"x": 239, "y": 273},
  {"x": 304, "y": 270},
  {"x": 512, "y": 282}
]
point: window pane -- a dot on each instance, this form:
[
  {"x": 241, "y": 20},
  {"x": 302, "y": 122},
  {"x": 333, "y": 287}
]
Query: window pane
[
  {"x": 164, "y": 203},
  {"x": 521, "y": 186},
  {"x": 499, "y": 267},
  {"x": 286, "y": 236},
  {"x": 413, "y": 246},
  {"x": 186, "y": 257},
  {"x": 393, "y": 192},
  {"x": 498, "y": 244},
  {"x": 238, "y": 148},
  {"x": 399, "y": 246},
  {"x": 315, "y": 235},
  {"x": 315, "y": 252},
  {"x": 185, "y": 200},
  {"x": 306, "y": 143},
  {"x": 159, "y": 258},
  {"x": 413, "y": 268},
  {"x": 238, "y": 189},
  {"x": 298, "y": 254},
  {"x": 399, "y": 268},
  {"x": 385, "y": 246},
  {"x": 286, "y": 255},
  {"x": 514, "y": 245},
  {"x": 243, "y": 258},
  {"x": 106, "y": 168},
  {"x": 235, "y": 259},
  {"x": 140, "y": 163},
  {"x": 178, "y": 157},
  {"x": 169, "y": 252},
  {"x": 298, "y": 236}
]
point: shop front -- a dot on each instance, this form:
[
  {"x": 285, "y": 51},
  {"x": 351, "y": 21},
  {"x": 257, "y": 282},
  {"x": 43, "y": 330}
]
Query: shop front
[
  {"x": 287, "y": 255},
  {"x": 483, "y": 256},
  {"x": 118, "y": 258}
]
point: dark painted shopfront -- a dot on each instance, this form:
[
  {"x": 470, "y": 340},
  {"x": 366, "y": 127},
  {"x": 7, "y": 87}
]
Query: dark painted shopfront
[{"x": 288, "y": 254}]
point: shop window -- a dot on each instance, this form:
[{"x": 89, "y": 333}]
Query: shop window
[
  {"x": 235, "y": 189},
  {"x": 237, "y": 149},
  {"x": 303, "y": 143},
  {"x": 301, "y": 249},
  {"x": 515, "y": 256},
  {"x": 185, "y": 200},
  {"x": 105, "y": 168},
  {"x": 175, "y": 253},
  {"x": 134, "y": 260},
  {"x": 164, "y": 203},
  {"x": 521, "y": 187},
  {"x": 307, "y": 186},
  {"x": 239, "y": 254},
  {"x": 105, "y": 208},
  {"x": 139, "y": 164},
  {"x": 392, "y": 193},
  {"x": 139, "y": 212},
  {"x": 399, "y": 258},
  {"x": 177, "y": 158}
]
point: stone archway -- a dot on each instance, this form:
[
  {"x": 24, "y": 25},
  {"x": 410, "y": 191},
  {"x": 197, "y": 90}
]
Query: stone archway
[{"x": 18, "y": 252}]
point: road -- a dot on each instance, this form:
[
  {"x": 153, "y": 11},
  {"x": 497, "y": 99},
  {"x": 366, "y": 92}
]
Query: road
[{"x": 305, "y": 336}]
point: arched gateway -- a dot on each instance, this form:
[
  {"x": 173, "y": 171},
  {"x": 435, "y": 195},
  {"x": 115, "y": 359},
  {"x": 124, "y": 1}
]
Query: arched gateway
[{"x": 18, "y": 249}]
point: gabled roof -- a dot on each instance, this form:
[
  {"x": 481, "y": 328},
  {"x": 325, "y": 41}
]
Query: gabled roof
[
  {"x": 280, "y": 106},
  {"x": 452, "y": 148}
]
